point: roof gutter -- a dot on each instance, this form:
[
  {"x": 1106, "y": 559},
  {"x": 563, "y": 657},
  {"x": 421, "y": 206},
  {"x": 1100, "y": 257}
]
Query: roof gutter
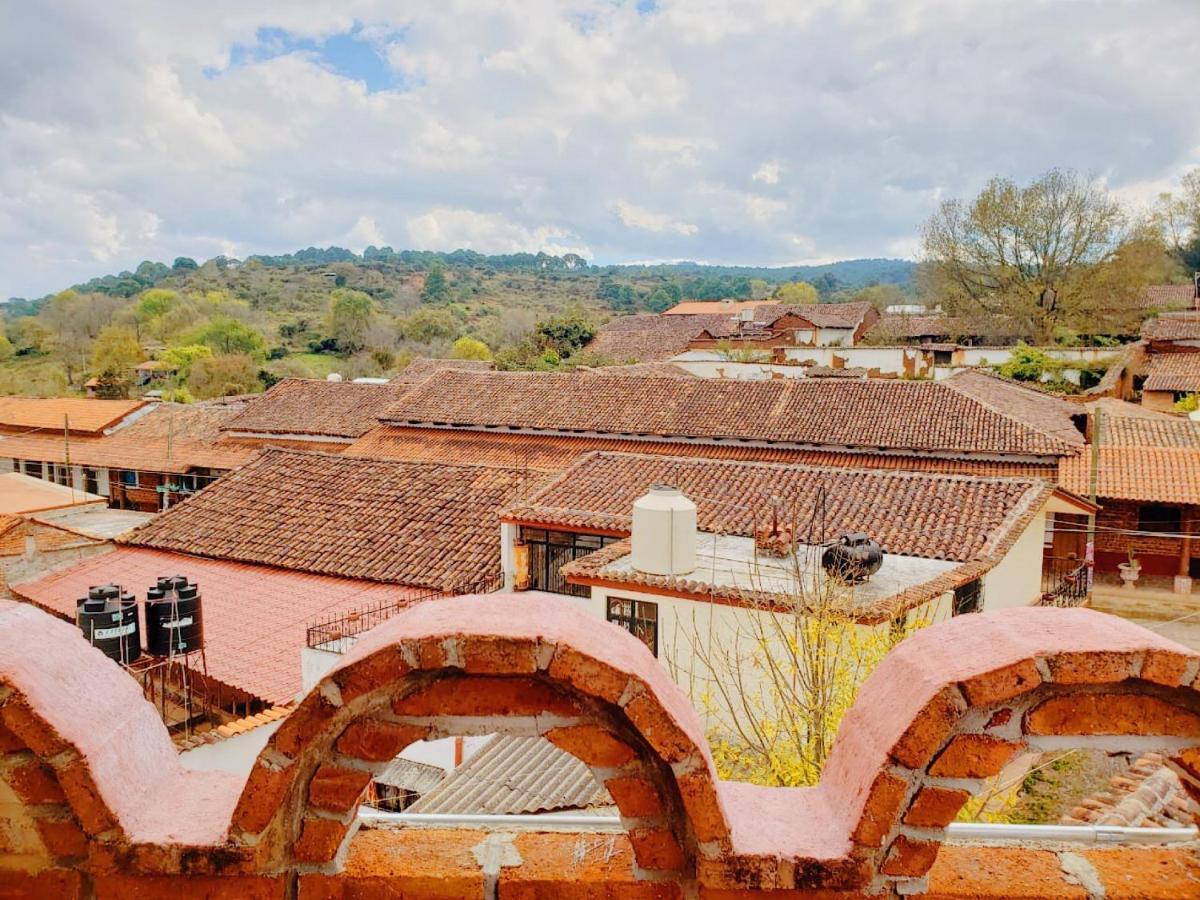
[{"x": 957, "y": 831}]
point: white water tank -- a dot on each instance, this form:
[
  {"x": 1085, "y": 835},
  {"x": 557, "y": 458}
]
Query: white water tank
[
  {"x": 333, "y": 376},
  {"x": 664, "y": 532}
]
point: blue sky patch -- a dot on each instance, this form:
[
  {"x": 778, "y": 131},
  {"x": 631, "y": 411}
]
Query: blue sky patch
[{"x": 350, "y": 55}]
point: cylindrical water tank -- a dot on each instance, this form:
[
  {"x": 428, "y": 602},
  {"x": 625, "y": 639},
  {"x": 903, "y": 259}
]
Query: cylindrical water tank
[
  {"x": 174, "y": 618},
  {"x": 664, "y": 532},
  {"x": 108, "y": 619}
]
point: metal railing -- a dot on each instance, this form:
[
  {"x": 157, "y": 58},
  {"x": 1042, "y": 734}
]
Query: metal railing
[
  {"x": 337, "y": 633},
  {"x": 1065, "y": 582}
]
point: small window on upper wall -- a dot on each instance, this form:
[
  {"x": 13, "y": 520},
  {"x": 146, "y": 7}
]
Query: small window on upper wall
[
  {"x": 968, "y": 598},
  {"x": 1157, "y": 517},
  {"x": 638, "y": 617}
]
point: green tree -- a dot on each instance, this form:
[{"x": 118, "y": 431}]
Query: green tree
[
  {"x": 113, "y": 384},
  {"x": 182, "y": 358},
  {"x": 6, "y": 348},
  {"x": 426, "y": 325},
  {"x": 184, "y": 262},
  {"x": 796, "y": 293},
  {"x": 1046, "y": 254},
  {"x": 224, "y": 376},
  {"x": 564, "y": 334},
  {"x": 351, "y": 314},
  {"x": 437, "y": 288},
  {"x": 226, "y": 337},
  {"x": 116, "y": 350},
  {"x": 470, "y": 348}
]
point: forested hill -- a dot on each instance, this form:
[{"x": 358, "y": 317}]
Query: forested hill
[{"x": 688, "y": 279}]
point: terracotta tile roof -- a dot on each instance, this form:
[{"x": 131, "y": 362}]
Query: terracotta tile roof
[
  {"x": 905, "y": 326},
  {"x": 303, "y": 406},
  {"x": 823, "y": 315},
  {"x": 25, "y": 494},
  {"x": 84, "y": 415},
  {"x": 1041, "y": 410},
  {"x": 894, "y": 415},
  {"x": 513, "y": 775},
  {"x": 1167, "y": 296},
  {"x": 1146, "y": 795},
  {"x": 1173, "y": 326},
  {"x": 1150, "y": 460},
  {"x": 422, "y": 367},
  {"x": 355, "y": 517},
  {"x": 171, "y": 438},
  {"x": 710, "y": 307},
  {"x": 949, "y": 517},
  {"x": 255, "y": 617},
  {"x": 1172, "y": 372},
  {"x": 639, "y": 370},
  {"x": 650, "y": 338},
  {"x": 231, "y": 729},
  {"x": 830, "y": 372},
  {"x": 553, "y": 453}
]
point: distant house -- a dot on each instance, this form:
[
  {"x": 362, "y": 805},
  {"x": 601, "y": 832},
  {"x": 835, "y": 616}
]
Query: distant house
[
  {"x": 1172, "y": 359},
  {"x": 716, "y": 307},
  {"x": 775, "y": 327}
]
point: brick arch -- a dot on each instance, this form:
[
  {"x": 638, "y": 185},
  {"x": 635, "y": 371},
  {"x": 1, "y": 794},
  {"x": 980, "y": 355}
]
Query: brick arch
[
  {"x": 85, "y": 758},
  {"x": 516, "y": 664},
  {"x": 951, "y": 706}
]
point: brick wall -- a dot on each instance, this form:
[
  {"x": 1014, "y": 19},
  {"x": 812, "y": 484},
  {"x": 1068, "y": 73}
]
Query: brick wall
[
  {"x": 1158, "y": 555},
  {"x": 84, "y": 815}
]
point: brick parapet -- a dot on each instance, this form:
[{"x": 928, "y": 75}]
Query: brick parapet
[{"x": 944, "y": 712}]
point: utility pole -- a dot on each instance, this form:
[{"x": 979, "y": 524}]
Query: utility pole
[
  {"x": 67, "y": 454},
  {"x": 1093, "y": 487}
]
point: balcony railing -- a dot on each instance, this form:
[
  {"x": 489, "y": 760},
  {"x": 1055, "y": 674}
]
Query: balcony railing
[
  {"x": 1065, "y": 581},
  {"x": 337, "y": 633}
]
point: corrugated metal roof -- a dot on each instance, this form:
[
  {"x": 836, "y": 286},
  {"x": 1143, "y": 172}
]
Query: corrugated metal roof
[
  {"x": 412, "y": 776},
  {"x": 512, "y": 776}
]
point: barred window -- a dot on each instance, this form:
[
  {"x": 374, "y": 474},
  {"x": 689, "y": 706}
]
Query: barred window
[{"x": 638, "y": 617}]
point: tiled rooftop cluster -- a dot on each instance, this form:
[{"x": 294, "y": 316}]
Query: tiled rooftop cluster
[
  {"x": 423, "y": 366},
  {"x": 1148, "y": 794},
  {"x": 353, "y": 517},
  {"x": 1173, "y": 372},
  {"x": 939, "y": 516},
  {"x": 935, "y": 417},
  {"x": 1140, "y": 458},
  {"x": 110, "y": 811},
  {"x": 650, "y": 338},
  {"x": 1173, "y": 326},
  {"x": 331, "y": 409}
]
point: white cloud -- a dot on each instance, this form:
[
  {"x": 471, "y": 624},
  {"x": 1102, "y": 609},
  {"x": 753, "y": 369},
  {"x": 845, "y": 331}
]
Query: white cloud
[
  {"x": 191, "y": 129},
  {"x": 768, "y": 172},
  {"x": 645, "y": 220}
]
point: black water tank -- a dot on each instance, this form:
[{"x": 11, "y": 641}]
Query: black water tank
[
  {"x": 854, "y": 558},
  {"x": 108, "y": 619},
  {"x": 174, "y": 620}
]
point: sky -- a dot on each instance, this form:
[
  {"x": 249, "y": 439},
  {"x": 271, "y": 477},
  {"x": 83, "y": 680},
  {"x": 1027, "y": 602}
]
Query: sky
[{"x": 766, "y": 133}]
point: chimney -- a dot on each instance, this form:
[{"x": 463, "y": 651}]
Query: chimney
[{"x": 664, "y": 532}]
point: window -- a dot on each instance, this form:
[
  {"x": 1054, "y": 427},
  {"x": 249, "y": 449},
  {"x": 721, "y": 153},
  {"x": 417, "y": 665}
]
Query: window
[
  {"x": 32, "y": 468},
  {"x": 91, "y": 481},
  {"x": 60, "y": 474},
  {"x": 549, "y": 551},
  {"x": 638, "y": 617},
  {"x": 129, "y": 478},
  {"x": 968, "y": 598},
  {"x": 1154, "y": 517}
]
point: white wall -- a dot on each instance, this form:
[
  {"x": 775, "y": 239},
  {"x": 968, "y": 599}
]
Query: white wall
[
  {"x": 1017, "y": 579},
  {"x": 232, "y": 754}
]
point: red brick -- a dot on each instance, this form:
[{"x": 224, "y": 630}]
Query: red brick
[
  {"x": 909, "y": 858},
  {"x": 592, "y": 745},
  {"x": 657, "y": 849},
  {"x": 1189, "y": 761},
  {"x": 1002, "y": 684},
  {"x": 195, "y": 887},
  {"x": 1117, "y": 713},
  {"x": 1000, "y": 718},
  {"x": 63, "y": 838},
  {"x": 84, "y": 797},
  {"x": 973, "y": 756},
  {"x": 703, "y": 806},
  {"x": 319, "y": 840},
  {"x": 9, "y": 742},
  {"x": 929, "y": 730},
  {"x": 336, "y": 788},
  {"x": 1000, "y": 873},
  {"x": 31, "y": 730},
  {"x": 483, "y": 695},
  {"x": 588, "y": 675},
  {"x": 880, "y": 810},
  {"x": 1090, "y": 667},
  {"x": 34, "y": 783},
  {"x": 1164, "y": 667},
  {"x": 262, "y": 797},
  {"x": 380, "y": 669},
  {"x": 935, "y": 807},
  {"x": 302, "y": 725},
  {"x": 499, "y": 656},
  {"x": 635, "y": 797},
  {"x": 376, "y": 741},
  {"x": 659, "y": 729},
  {"x": 431, "y": 654},
  {"x": 49, "y": 884}
]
